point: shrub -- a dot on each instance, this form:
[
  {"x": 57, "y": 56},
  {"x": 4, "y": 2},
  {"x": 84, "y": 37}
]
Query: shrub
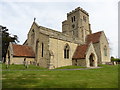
[{"x": 115, "y": 59}]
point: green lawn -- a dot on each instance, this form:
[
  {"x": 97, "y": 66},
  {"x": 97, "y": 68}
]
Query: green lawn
[
  {"x": 33, "y": 67},
  {"x": 70, "y": 67},
  {"x": 22, "y": 67},
  {"x": 106, "y": 77}
]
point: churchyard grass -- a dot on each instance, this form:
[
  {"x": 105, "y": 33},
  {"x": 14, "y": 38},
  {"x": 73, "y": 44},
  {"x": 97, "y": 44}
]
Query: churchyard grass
[
  {"x": 33, "y": 67},
  {"x": 22, "y": 67},
  {"x": 105, "y": 77},
  {"x": 70, "y": 67}
]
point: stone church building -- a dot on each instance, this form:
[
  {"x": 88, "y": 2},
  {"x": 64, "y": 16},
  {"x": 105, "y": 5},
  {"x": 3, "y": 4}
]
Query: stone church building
[{"x": 75, "y": 45}]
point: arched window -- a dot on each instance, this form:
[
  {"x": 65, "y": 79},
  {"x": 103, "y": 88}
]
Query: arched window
[
  {"x": 105, "y": 51},
  {"x": 74, "y": 18},
  {"x": 66, "y": 51},
  {"x": 37, "y": 46},
  {"x": 42, "y": 49},
  {"x": 32, "y": 36},
  {"x": 82, "y": 33}
]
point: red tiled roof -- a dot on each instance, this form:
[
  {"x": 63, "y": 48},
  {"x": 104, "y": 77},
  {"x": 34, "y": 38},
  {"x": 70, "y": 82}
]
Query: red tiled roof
[
  {"x": 23, "y": 51},
  {"x": 94, "y": 38},
  {"x": 80, "y": 51}
]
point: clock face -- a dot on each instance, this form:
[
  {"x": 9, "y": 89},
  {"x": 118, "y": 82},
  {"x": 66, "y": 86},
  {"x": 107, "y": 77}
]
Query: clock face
[{"x": 73, "y": 26}]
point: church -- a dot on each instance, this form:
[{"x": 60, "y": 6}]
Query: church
[{"x": 75, "y": 45}]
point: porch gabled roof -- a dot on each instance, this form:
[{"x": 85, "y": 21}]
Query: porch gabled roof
[{"x": 80, "y": 52}]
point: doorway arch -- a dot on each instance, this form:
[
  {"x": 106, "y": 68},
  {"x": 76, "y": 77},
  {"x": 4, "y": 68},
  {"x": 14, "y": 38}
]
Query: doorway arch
[{"x": 92, "y": 60}]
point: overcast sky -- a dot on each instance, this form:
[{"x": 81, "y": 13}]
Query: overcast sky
[{"x": 18, "y": 17}]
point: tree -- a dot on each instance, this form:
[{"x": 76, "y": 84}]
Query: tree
[{"x": 6, "y": 39}]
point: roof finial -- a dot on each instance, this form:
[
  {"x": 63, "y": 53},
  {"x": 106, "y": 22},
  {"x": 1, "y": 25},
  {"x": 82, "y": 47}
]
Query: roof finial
[{"x": 34, "y": 19}]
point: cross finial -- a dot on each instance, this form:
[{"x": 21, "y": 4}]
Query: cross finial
[{"x": 34, "y": 19}]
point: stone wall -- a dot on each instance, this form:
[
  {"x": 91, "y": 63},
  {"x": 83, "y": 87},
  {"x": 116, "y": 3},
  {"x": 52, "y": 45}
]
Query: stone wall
[
  {"x": 43, "y": 60},
  {"x": 80, "y": 62},
  {"x": 98, "y": 52},
  {"x": 65, "y": 27},
  {"x": 9, "y": 54},
  {"x": 31, "y": 41},
  {"x": 57, "y": 47},
  {"x": 81, "y": 24},
  {"x": 20, "y": 60},
  {"x": 103, "y": 43}
]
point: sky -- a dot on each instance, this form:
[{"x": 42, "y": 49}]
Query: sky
[{"x": 19, "y": 16}]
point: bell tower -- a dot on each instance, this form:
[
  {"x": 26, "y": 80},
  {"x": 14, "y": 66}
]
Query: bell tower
[{"x": 77, "y": 24}]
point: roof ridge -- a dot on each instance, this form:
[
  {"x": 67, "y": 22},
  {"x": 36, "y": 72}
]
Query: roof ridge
[
  {"x": 21, "y": 45},
  {"x": 97, "y": 32}
]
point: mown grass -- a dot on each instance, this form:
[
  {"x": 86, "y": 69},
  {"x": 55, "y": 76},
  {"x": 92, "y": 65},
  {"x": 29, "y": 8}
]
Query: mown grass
[
  {"x": 22, "y": 67},
  {"x": 70, "y": 67},
  {"x": 33, "y": 67},
  {"x": 106, "y": 77}
]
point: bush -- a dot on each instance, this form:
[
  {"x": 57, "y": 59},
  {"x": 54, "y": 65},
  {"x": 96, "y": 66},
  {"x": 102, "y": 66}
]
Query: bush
[{"x": 115, "y": 59}]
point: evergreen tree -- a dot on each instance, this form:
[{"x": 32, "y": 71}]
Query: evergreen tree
[{"x": 6, "y": 39}]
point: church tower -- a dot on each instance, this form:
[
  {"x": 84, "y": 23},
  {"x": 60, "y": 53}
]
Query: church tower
[{"x": 77, "y": 24}]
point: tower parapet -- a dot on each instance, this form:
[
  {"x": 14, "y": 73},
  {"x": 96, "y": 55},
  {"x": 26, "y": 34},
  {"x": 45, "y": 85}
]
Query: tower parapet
[
  {"x": 77, "y": 24},
  {"x": 77, "y": 9}
]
